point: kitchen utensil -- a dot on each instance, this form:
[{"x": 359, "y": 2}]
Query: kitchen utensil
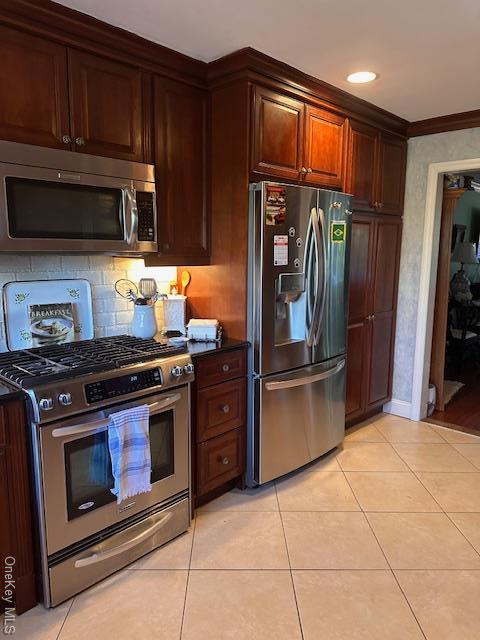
[
  {"x": 148, "y": 288},
  {"x": 127, "y": 289},
  {"x": 20, "y": 296},
  {"x": 185, "y": 281},
  {"x": 144, "y": 323}
]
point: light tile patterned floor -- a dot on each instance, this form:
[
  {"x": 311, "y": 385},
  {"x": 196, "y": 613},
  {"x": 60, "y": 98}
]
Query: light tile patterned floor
[{"x": 378, "y": 541}]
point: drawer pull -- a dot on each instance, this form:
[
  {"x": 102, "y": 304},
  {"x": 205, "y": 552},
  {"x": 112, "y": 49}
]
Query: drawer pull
[
  {"x": 226, "y": 368},
  {"x": 224, "y": 461},
  {"x": 226, "y": 408}
]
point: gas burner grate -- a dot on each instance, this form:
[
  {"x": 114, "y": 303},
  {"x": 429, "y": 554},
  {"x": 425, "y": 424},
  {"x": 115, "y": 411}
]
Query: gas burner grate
[{"x": 50, "y": 363}]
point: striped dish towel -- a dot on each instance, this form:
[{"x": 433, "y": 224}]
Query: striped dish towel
[{"x": 129, "y": 445}]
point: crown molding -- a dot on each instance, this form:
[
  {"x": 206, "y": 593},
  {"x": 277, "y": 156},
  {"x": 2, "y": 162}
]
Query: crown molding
[
  {"x": 75, "y": 29},
  {"x": 257, "y": 66},
  {"x": 451, "y": 122}
]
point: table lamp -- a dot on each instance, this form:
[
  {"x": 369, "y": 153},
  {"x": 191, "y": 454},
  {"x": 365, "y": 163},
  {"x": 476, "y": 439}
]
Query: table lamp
[{"x": 464, "y": 253}]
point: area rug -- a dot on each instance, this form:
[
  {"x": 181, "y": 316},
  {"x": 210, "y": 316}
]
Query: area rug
[{"x": 450, "y": 388}]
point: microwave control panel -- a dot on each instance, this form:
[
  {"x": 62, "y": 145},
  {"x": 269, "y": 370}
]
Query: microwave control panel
[
  {"x": 146, "y": 210},
  {"x": 122, "y": 385}
]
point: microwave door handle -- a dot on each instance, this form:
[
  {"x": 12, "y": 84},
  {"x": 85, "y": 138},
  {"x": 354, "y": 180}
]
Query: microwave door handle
[
  {"x": 79, "y": 429},
  {"x": 130, "y": 214},
  {"x": 95, "y": 558},
  {"x": 321, "y": 293},
  {"x": 301, "y": 382}
]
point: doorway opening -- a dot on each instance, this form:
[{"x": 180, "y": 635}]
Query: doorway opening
[
  {"x": 433, "y": 244},
  {"x": 455, "y": 354}
]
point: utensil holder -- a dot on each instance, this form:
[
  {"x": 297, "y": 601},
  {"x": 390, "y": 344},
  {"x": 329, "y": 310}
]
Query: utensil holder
[{"x": 144, "y": 323}]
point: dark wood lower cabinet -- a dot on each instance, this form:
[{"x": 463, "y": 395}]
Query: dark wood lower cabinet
[
  {"x": 357, "y": 340},
  {"x": 16, "y": 512},
  {"x": 374, "y": 265},
  {"x": 218, "y": 426},
  {"x": 220, "y": 459}
]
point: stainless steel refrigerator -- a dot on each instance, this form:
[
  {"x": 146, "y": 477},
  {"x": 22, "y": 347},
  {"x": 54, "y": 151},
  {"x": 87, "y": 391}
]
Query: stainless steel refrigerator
[{"x": 299, "y": 246}]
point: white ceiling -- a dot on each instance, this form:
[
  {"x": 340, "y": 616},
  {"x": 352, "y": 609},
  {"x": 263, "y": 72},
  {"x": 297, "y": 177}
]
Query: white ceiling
[{"x": 426, "y": 52}]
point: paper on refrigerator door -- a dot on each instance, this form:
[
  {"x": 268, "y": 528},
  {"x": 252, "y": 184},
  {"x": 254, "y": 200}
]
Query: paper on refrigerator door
[{"x": 280, "y": 251}]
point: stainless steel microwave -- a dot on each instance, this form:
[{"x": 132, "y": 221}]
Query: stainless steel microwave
[{"x": 66, "y": 202}]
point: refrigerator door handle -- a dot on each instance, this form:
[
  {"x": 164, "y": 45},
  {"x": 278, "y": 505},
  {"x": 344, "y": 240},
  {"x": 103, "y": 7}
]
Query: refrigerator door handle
[
  {"x": 321, "y": 295},
  {"x": 315, "y": 314},
  {"x": 300, "y": 382},
  {"x": 308, "y": 261}
]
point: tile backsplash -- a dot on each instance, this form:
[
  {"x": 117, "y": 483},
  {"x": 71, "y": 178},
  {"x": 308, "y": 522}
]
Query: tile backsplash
[{"x": 112, "y": 314}]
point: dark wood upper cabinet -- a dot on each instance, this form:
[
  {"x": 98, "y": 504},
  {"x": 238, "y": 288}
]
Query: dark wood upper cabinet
[
  {"x": 277, "y": 134},
  {"x": 376, "y": 169},
  {"x": 106, "y": 107},
  {"x": 324, "y": 148},
  {"x": 391, "y": 173},
  {"x": 34, "y": 90},
  {"x": 180, "y": 146},
  {"x": 361, "y": 161}
]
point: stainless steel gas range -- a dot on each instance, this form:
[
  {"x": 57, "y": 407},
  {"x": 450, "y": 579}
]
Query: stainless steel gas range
[{"x": 73, "y": 389}]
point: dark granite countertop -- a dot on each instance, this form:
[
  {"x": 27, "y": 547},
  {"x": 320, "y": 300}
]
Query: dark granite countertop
[{"x": 196, "y": 349}]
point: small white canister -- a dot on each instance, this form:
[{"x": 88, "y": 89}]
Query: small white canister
[
  {"x": 174, "y": 313},
  {"x": 144, "y": 323}
]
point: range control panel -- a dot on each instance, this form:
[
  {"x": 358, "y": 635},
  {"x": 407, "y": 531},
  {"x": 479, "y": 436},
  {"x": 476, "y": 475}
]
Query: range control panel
[
  {"x": 122, "y": 385},
  {"x": 146, "y": 210}
]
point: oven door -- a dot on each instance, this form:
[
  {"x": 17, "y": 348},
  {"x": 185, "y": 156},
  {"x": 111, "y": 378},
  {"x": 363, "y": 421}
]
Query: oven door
[
  {"x": 76, "y": 468},
  {"x": 46, "y": 210}
]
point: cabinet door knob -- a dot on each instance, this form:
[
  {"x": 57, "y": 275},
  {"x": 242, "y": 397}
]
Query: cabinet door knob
[
  {"x": 224, "y": 460},
  {"x": 226, "y": 367},
  {"x": 66, "y": 139},
  {"x": 80, "y": 141},
  {"x": 303, "y": 170},
  {"x": 380, "y": 205},
  {"x": 226, "y": 408},
  {"x": 309, "y": 170}
]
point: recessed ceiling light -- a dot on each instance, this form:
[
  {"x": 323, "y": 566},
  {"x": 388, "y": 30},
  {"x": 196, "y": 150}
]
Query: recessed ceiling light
[{"x": 360, "y": 77}]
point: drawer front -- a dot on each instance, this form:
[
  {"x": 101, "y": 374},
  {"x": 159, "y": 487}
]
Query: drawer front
[
  {"x": 220, "y": 408},
  {"x": 219, "y": 460},
  {"x": 220, "y": 367}
]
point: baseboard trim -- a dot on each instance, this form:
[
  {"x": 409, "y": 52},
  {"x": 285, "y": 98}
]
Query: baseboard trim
[{"x": 398, "y": 408}]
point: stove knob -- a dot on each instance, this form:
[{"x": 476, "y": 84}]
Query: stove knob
[
  {"x": 176, "y": 371},
  {"x": 45, "y": 404},
  {"x": 189, "y": 368},
  {"x": 65, "y": 399}
]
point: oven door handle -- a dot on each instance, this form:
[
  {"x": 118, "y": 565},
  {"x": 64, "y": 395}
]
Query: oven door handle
[
  {"x": 125, "y": 546},
  {"x": 77, "y": 429}
]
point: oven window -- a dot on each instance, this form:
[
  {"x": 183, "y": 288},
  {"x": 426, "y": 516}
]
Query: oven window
[
  {"x": 89, "y": 469},
  {"x": 41, "y": 209},
  {"x": 162, "y": 446}
]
